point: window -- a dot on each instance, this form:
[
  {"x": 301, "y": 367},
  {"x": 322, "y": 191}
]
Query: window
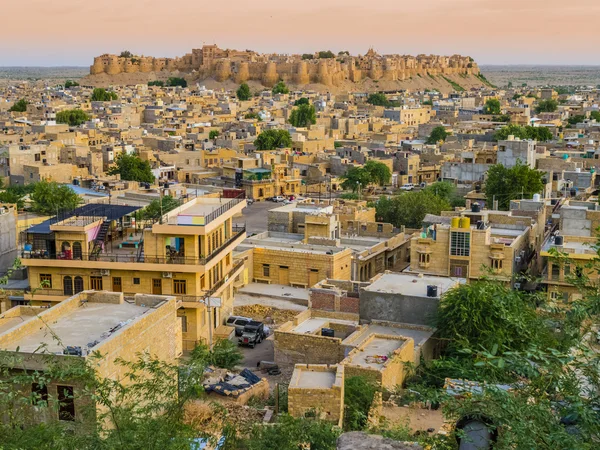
[
  {"x": 179, "y": 287},
  {"x": 424, "y": 258},
  {"x": 380, "y": 228},
  {"x": 266, "y": 270},
  {"x": 40, "y": 394},
  {"x": 183, "y": 324},
  {"x": 78, "y": 285},
  {"x": 497, "y": 264},
  {"x": 96, "y": 283},
  {"x": 68, "y": 286},
  {"x": 45, "y": 280},
  {"x": 460, "y": 244},
  {"x": 66, "y": 403},
  {"x": 136, "y": 281}
]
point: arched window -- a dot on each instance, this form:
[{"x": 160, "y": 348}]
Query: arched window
[
  {"x": 78, "y": 285},
  {"x": 77, "y": 254},
  {"x": 65, "y": 251},
  {"x": 68, "y": 286}
]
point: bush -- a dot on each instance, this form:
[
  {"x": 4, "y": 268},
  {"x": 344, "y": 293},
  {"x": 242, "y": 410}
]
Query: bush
[
  {"x": 273, "y": 139},
  {"x": 20, "y": 106},
  {"x": 156, "y": 83},
  {"x": 175, "y": 81},
  {"x": 326, "y": 54},
  {"x": 224, "y": 354},
  {"x": 102, "y": 95},
  {"x": 280, "y": 88},
  {"x": 213, "y": 134},
  {"x": 72, "y": 117},
  {"x": 358, "y": 397},
  {"x": 70, "y": 83},
  {"x": 243, "y": 93}
]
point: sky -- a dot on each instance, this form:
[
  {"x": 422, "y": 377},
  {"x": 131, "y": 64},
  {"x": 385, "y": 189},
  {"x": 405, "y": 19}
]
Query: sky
[{"x": 61, "y": 32}]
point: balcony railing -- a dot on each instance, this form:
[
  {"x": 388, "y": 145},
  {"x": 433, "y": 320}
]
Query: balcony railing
[
  {"x": 136, "y": 258},
  {"x": 215, "y": 287},
  {"x": 216, "y": 213}
]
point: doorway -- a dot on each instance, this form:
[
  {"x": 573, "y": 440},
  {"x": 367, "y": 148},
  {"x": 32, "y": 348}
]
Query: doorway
[
  {"x": 284, "y": 275},
  {"x": 117, "y": 287},
  {"x": 313, "y": 277},
  {"x": 156, "y": 286}
]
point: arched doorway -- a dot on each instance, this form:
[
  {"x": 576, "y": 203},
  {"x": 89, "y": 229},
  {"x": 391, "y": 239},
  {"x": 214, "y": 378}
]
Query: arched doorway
[
  {"x": 77, "y": 253},
  {"x": 67, "y": 286},
  {"x": 78, "y": 285},
  {"x": 65, "y": 251}
]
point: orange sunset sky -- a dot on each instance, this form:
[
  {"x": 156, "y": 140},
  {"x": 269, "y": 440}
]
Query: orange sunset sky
[{"x": 61, "y": 32}]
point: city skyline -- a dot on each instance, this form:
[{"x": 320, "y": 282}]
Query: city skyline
[{"x": 523, "y": 34}]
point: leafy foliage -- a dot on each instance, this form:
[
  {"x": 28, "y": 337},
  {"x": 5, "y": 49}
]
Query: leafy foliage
[
  {"x": 243, "y": 93},
  {"x": 326, "y": 54},
  {"x": 126, "y": 54},
  {"x": 70, "y": 84},
  {"x": 132, "y": 168},
  {"x": 595, "y": 115},
  {"x": 378, "y": 99},
  {"x": 549, "y": 105},
  {"x": 437, "y": 134},
  {"x": 358, "y": 397},
  {"x": 409, "y": 208},
  {"x": 308, "y": 56},
  {"x": 505, "y": 184},
  {"x": 273, "y": 139},
  {"x": 446, "y": 191},
  {"x": 72, "y": 117},
  {"x": 541, "y": 134},
  {"x": 15, "y": 194},
  {"x": 492, "y": 106},
  {"x": 280, "y": 88},
  {"x": 224, "y": 354},
  {"x": 303, "y": 116},
  {"x": 301, "y": 101},
  {"x": 213, "y": 134},
  {"x": 154, "y": 210},
  {"x": 576, "y": 119},
  {"x": 252, "y": 115},
  {"x": 20, "y": 106},
  {"x": 378, "y": 172},
  {"x": 102, "y": 95},
  {"x": 156, "y": 83},
  {"x": 48, "y": 197},
  {"x": 356, "y": 178},
  {"x": 176, "y": 81}
]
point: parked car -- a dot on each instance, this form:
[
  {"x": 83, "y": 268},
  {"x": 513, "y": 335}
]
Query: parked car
[
  {"x": 239, "y": 323},
  {"x": 279, "y": 199},
  {"x": 407, "y": 187},
  {"x": 249, "y": 201},
  {"x": 254, "y": 333}
]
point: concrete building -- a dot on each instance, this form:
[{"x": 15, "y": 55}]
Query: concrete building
[
  {"x": 8, "y": 236},
  {"x": 103, "y": 323},
  {"x": 513, "y": 150}
]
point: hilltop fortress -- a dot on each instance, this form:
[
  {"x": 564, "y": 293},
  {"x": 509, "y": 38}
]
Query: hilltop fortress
[{"x": 267, "y": 69}]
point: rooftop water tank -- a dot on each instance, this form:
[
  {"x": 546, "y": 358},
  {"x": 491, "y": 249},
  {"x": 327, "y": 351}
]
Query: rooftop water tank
[
  {"x": 455, "y": 222},
  {"x": 558, "y": 240},
  {"x": 465, "y": 222},
  {"x": 432, "y": 290},
  {"x": 537, "y": 197}
]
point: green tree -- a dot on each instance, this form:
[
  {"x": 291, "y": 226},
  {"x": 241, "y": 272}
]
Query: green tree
[
  {"x": 132, "y": 168},
  {"x": 49, "y": 197},
  {"x": 576, "y": 119},
  {"x": 492, "y": 106},
  {"x": 358, "y": 397},
  {"x": 501, "y": 118},
  {"x": 224, "y": 354},
  {"x": 541, "y": 134},
  {"x": 307, "y": 56},
  {"x": 70, "y": 84},
  {"x": 176, "y": 81},
  {"x": 301, "y": 101},
  {"x": 409, "y": 208},
  {"x": 378, "y": 99},
  {"x": 437, "y": 134},
  {"x": 156, "y": 208},
  {"x": 213, "y": 134},
  {"x": 243, "y": 93},
  {"x": 156, "y": 83},
  {"x": 20, "y": 106},
  {"x": 303, "y": 116},
  {"x": 356, "y": 178},
  {"x": 505, "y": 184},
  {"x": 280, "y": 88},
  {"x": 549, "y": 105},
  {"x": 273, "y": 139},
  {"x": 326, "y": 54},
  {"x": 72, "y": 117},
  {"x": 102, "y": 95},
  {"x": 595, "y": 115},
  {"x": 126, "y": 54},
  {"x": 378, "y": 172},
  {"x": 446, "y": 191},
  {"x": 252, "y": 115}
]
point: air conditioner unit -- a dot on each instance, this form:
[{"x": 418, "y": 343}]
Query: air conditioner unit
[
  {"x": 167, "y": 274},
  {"x": 105, "y": 273}
]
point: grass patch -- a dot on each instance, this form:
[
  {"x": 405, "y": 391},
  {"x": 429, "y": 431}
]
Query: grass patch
[
  {"x": 457, "y": 87},
  {"x": 484, "y": 80}
]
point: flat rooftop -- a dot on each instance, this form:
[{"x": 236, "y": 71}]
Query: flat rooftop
[
  {"x": 314, "y": 379},
  {"x": 419, "y": 335},
  {"x": 581, "y": 248},
  {"x": 89, "y": 322},
  {"x": 313, "y": 325},
  {"x": 410, "y": 285},
  {"x": 204, "y": 206},
  {"x": 376, "y": 352},
  {"x": 287, "y": 242},
  {"x": 6, "y": 323}
]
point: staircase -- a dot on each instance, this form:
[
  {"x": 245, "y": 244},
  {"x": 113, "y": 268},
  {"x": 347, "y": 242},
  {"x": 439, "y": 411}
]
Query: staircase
[
  {"x": 100, "y": 240},
  {"x": 140, "y": 253}
]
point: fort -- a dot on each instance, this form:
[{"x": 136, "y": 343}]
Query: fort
[{"x": 267, "y": 69}]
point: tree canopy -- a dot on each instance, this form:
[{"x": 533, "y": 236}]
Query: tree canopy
[
  {"x": 213, "y": 134},
  {"x": 378, "y": 99},
  {"x": 20, "y": 106},
  {"x": 303, "y": 116},
  {"x": 156, "y": 83},
  {"x": 356, "y": 178},
  {"x": 132, "y": 168},
  {"x": 301, "y": 101},
  {"x": 549, "y": 105},
  {"x": 273, "y": 139},
  {"x": 102, "y": 95},
  {"x": 326, "y": 54},
  {"x": 378, "y": 172},
  {"x": 176, "y": 81},
  {"x": 154, "y": 210},
  {"x": 243, "y": 93},
  {"x": 72, "y": 117},
  {"x": 280, "y": 88},
  {"x": 409, "y": 208},
  {"x": 446, "y": 191},
  {"x": 541, "y": 134},
  {"x": 492, "y": 106},
  {"x": 505, "y": 184},
  {"x": 126, "y": 54},
  {"x": 70, "y": 84},
  {"x": 437, "y": 134},
  {"x": 49, "y": 197},
  {"x": 595, "y": 115}
]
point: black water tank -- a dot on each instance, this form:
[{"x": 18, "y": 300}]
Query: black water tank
[
  {"x": 559, "y": 240},
  {"x": 553, "y": 201},
  {"x": 327, "y": 332},
  {"x": 432, "y": 290},
  {"x": 475, "y": 208},
  {"x": 573, "y": 192}
]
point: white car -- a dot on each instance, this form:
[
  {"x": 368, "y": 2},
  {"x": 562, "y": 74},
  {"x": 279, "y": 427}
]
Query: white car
[
  {"x": 279, "y": 198},
  {"x": 407, "y": 187}
]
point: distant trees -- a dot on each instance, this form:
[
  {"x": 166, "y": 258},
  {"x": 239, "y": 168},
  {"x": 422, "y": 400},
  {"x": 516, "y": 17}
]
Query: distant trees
[
  {"x": 378, "y": 99},
  {"x": 373, "y": 172},
  {"x": 156, "y": 83},
  {"x": 576, "y": 119},
  {"x": 70, "y": 84},
  {"x": 72, "y": 117},
  {"x": 273, "y": 139},
  {"x": 132, "y": 168},
  {"x": 378, "y": 171},
  {"x": 252, "y": 115},
  {"x": 492, "y": 106},
  {"x": 20, "y": 106},
  {"x": 48, "y": 197},
  {"x": 409, "y": 208},
  {"x": 102, "y": 95},
  {"x": 326, "y": 54},
  {"x": 308, "y": 56},
  {"x": 549, "y": 105},
  {"x": 126, "y": 54},
  {"x": 243, "y": 93},
  {"x": 437, "y": 134},
  {"x": 501, "y": 118},
  {"x": 595, "y": 115},
  {"x": 541, "y": 134},
  {"x": 505, "y": 184},
  {"x": 303, "y": 116},
  {"x": 446, "y": 191},
  {"x": 16, "y": 194},
  {"x": 176, "y": 81},
  {"x": 159, "y": 206},
  {"x": 301, "y": 101},
  {"x": 280, "y": 88},
  {"x": 213, "y": 134}
]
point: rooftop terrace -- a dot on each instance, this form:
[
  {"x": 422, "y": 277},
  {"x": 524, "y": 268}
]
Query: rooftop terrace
[{"x": 410, "y": 285}]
